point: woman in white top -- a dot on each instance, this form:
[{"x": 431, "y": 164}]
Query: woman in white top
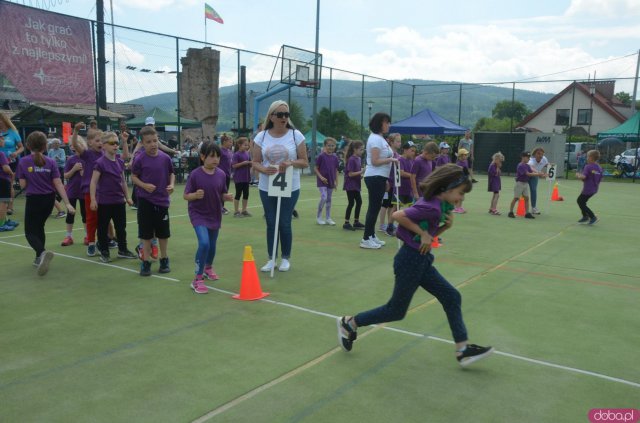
[
  {"x": 279, "y": 146},
  {"x": 537, "y": 163},
  {"x": 379, "y": 159}
]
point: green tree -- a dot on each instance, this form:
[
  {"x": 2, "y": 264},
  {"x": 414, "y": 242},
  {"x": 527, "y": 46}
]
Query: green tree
[
  {"x": 297, "y": 116},
  {"x": 336, "y": 124},
  {"x": 624, "y": 97},
  {"x": 507, "y": 109},
  {"x": 487, "y": 124}
]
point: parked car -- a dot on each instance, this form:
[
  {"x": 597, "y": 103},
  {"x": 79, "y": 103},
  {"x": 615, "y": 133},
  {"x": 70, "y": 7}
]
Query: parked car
[
  {"x": 629, "y": 156},
  {"x": 577, "y": 153}
]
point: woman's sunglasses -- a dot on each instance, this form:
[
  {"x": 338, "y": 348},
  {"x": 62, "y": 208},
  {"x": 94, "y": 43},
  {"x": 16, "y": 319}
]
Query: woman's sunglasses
[{"x": 281, "y": 115}]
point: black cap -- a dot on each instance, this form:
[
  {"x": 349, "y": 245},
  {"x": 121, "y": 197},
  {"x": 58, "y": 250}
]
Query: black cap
[{"x": 525, "y": 154}]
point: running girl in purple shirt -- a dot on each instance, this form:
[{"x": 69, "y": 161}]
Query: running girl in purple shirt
[
  {"x": 591, "y": 176},
  {"x": 413, "y": 264},
  {"x": 40, "y": 178}
]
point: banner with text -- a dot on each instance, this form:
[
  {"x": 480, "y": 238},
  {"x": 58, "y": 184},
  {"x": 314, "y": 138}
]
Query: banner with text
[{"x": 46, "y": 56}]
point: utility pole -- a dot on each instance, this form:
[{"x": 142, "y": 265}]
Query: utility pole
[{"x": 102, "y": 71}]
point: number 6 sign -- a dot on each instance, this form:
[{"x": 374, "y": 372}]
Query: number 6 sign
[
  {"x": 280, "y": 183},
  {"x": 551, "y": 171}
]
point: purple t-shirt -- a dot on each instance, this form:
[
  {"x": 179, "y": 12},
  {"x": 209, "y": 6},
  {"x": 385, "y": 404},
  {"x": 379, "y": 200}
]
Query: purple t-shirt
[
  {"x": 208, "y": 210},
  {"x": 39, "y": 179},
  {"x": 495, "y": 185},
  {"x": 463, "y": 163},
  {"x": 353, "y": 183},
  {"x": 4, "y": 161},
  {"x": 109, "y": 188},
  {"x": 421, "y": 168},
  {"x": 225, "y": 161},
  {"x": 405, "y": 182},
  {"x": 593, "y": 174},
  {"x": 327, "y": 164},
  {"x": 422, "y": 210},
  {"x": 89, "y": 158},
  {"x": 74, "y": 184},
  {"x": 156, "y": 170},
  {"x": 521, "y": 172},
  {"x": 241, "y": 174},
  {"x": 442, "y": 159}
]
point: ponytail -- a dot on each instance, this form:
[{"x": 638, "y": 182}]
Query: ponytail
[{"x": 37, "y": 143}]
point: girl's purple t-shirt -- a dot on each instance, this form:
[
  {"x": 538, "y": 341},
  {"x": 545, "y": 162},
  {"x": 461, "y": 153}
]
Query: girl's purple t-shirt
[
  {"x": 593, "y": 173},
  {"x": 405, "y": 182},
  {"x": 109, "y": 188},
  {"x": 4, "y": 161},
  {"x": 73, "y": 186},
  {"x": 421, "y": 168},
  {"x": 89, "y": 158},
  {"x": 208, "y": 210},
  {"x": 495, "y": 185},
  {"x": 327, "y": 164},
  {"x": 353, "y": 183},
  {"x": 521, "y": 172},
  {"x": 442, "y": 159},
  {"x": 39, "y": 179},
  {"x": 225, "y": 161},
  {"x": 156, "y": 170},
  {"x": 241, "y": 174},
  {"x": 422, "y": 210},
  {"x": 463, "y": 163}
]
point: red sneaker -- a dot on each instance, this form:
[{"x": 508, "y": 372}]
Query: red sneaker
[
  {"x": 67, "y": 241},
  {"x": 86, "y": 241},
  {"x": 154, "y": 252}
]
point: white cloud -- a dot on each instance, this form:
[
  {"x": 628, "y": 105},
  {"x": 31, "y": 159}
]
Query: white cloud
[
  {"x": 156, "y": 4},
  {"x": 604, "y": 8}
]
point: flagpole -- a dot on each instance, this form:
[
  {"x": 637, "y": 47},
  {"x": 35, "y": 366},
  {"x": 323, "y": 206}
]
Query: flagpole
[{"x": 205, "y": 29}]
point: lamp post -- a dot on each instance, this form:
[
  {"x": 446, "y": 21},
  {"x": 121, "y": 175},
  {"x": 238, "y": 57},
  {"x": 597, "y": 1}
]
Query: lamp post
[
  {"x": 592, "y": 92},
  {"x": 370, "y": 106}
]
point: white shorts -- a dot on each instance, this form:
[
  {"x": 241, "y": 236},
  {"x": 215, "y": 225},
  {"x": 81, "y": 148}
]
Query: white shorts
[{"x": 521, "y": 189}]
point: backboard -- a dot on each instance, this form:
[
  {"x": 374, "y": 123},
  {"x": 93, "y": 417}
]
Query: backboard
[{"x": 302, "y": 68}]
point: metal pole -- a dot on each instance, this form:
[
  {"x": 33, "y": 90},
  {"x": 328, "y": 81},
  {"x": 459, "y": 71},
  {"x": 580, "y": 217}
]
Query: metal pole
[
  {"x": 513, "y": 100},
  {"x": 413, "y": 96},
  {"x": 239, "y": 96},
  {"x": 95, "y": 70},
  {"x": 573, "y": 99},
  {"x": 459, "y": 104},
  {"x": 102, "y": 86},
  {"x": 113, "y": 52},
  {"x": 178, "y": 86},
  {"x": 316, "y": 74},
  {"x": 391, "y": 105},
  {"x": 362, "y": 110},
  {"x": 635, "y": 86}
]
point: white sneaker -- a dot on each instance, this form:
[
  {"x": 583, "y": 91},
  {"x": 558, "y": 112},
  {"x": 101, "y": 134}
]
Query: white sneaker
[
  {"x": 267, "y": 267},
  {"x": 369, "y": 244},
  {"x": 377, "y": 240},
  {"x": 329, "y": 221},
  {"x": 382, "y": 228},
  {"x": 284, "y": 265},
  {"x": 320, "y": 221},
  {"x": 535, "y": 211}
]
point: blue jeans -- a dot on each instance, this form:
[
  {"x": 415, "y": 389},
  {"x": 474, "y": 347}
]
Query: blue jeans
[
  {"x": 533, "y": 187},
  {"x": 206, "y": 247},
  {"x": 413, "y": 270},
  {"x": 285, "y": 234}
]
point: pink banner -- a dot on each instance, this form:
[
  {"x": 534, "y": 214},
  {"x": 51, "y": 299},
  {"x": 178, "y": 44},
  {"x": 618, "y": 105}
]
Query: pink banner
[{"x": 46, "y": 56}]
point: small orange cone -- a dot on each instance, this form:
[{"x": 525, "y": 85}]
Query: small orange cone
[
  {"x": 521, "y": 210},
  {"x": 435, "y": 243},
  {"x": 250, "y": 289},
  {"x": 555, "y": 196}
]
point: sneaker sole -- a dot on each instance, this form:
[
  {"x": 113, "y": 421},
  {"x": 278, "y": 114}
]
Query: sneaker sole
[
  {"x": 196, "y": 292},
  {"x": 342, "y": 339},
  {"x": 43, "y": 267},
  {"x": 475, "y": 358},
  {"x": 370, "y": 247}
]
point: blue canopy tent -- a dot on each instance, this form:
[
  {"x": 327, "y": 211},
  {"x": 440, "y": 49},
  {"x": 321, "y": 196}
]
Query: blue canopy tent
[{"x": 427, "y": 122}]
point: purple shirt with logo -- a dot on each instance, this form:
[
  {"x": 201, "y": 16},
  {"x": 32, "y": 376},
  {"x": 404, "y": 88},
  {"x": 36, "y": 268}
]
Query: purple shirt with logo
[
  {"x": 208, "y": 210},
  {"x": 39, "y": 179},
  {"x": 89, "y": 158},
  {"x": 495, "y": 185},
  {"x": 74, "y": 184},
  {"x": 593, "y": 174},
  {"x": 422, "y": 210},
  {"x": 421, "y": 168},
  {"x": 327, "y": 164},
  {"x": 109, "y": 187},
  {"x": 156, "y": 170},
  {"x": 225, "y": 161},
  {"x": 241, "y": 174},
  {"x": 405, "y": 182},
  {"x": 353, "y": 183},
  {"x": 4, "y": 161},
  {"x": 521, "y": 172}
]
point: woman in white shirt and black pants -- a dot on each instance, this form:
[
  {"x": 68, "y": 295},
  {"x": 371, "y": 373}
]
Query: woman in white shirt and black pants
[{"x": 376, "y": 174}]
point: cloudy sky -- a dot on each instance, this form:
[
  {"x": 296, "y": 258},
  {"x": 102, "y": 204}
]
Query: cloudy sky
[{"x": 456, "y": 40}]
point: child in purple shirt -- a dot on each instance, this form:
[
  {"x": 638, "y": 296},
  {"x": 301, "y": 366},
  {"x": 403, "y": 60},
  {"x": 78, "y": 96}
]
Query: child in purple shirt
[
  {"x": 443, "y": 157},
  {"x": 353, "y": 184},
  {"x": 205, "y": 191},
  {"x": 226, "y": 157},
  {"x": 326, "y": 179},
  {"x": 423, "y": 165},
  {"x": 495, "y": 184},
  {"x": 73, "y": 175},
  {"x": 464, "y": 164},
  {"x": 108, "y": 195},
  {"x": 405, "y": 192},
  {"x": 241, "y": 164},
  {"x": 40, "y": 178},
  {"x": 413, "y": 265},
  {"x": 591, "y": 176},
  {"x": 521, "y": 189}
]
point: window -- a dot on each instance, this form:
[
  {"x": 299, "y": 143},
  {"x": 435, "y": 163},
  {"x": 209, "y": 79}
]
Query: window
[
  {"x": 562, "y": 117},
  {"x": 584, "y": 116}
]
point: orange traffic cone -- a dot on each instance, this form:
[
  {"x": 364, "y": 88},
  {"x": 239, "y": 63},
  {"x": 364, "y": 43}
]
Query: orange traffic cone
[
  {"x": 555, "y": 195},
  {"x": 250, "y": 289},
  {"x": 435, "y": 243},
  {"x": 521, "y": 209}
]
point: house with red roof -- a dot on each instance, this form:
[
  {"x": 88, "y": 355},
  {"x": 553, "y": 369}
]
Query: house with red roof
[{"x": 586, "y": 108}]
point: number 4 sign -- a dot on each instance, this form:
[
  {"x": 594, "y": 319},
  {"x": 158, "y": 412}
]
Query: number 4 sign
[{"x": 280, "y": 183}]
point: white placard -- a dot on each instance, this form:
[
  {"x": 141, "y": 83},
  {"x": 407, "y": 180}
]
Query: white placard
[
  {"x": 280, "y": 183},
  {"x": 398, "y": 178},
  {"x": 551, "y": 171}
]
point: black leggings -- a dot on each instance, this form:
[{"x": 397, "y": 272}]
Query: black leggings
[
  {"x": 117, "y": 213},
  {"x": 36, "y": 211},
  {"x": 353, "y": 197},
  {"x": 242, "y": 188},
  {"x": 376, "y": 186},
  {"x": 582, "y": 203},
  {"x": 71, "y": 217}
]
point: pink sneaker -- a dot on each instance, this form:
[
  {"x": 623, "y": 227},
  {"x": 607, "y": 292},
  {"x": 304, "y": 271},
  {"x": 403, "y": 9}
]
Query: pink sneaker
[
  {"x": 458, "y": 210},
  {"x": 67, "y": 241},
  {"x": 198, "y": 286},
  {"x": 210, "y": 274}
]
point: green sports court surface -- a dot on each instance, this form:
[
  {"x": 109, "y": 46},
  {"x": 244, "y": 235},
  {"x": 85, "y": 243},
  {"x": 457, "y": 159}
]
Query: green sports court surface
[{"x": 559, "y": 301}]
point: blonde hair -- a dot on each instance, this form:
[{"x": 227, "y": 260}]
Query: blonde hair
[
  {"x": 7, "y": 122},
  {"x": 108, "y": 136},
  {"x": 498, "y": 156},
  {"x": 272, "y": 109},
  {"x": 330, "y": 139},
  {"x": 594, "y": 154},
  {"x": 535, "y": 150}
]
